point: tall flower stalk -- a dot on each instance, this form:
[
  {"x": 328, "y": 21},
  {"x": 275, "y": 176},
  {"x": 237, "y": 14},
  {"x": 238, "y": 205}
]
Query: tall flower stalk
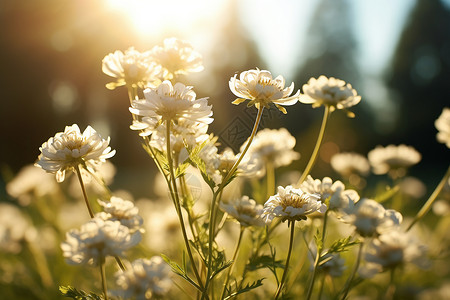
[{"x": 288, "y": 259}]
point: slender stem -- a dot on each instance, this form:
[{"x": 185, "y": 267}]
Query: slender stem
[
  {"x": 291, "y": 242},
  {"x": 426, "y": 207},
  {"x": 175, "y": 196},
  {"x": 322, "y": 284},
  {"x": 103, "y": 275},
  {"x": 313, "y": 157},
  {"x": 390, "y": 291},
  {"x": 218, "y": 193},
  {"x": 318, "y": 255},
  {"x": 352, "y": 275},
  {"x": 83, "y": 189},
  {"x": 270, "y": 177},
  {"x": 230, "y": 269}
]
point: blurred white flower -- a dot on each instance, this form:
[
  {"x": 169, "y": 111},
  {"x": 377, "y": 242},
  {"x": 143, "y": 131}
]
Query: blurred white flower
[
  {"x": 31, "y": 183},
  {"x": 177, "y": 57},
  {"x": 144, "y": 279},
  {"x": 393, "y": 159},
  {"x": 169, "y": 103},
  {"x": 124, "y": 211},
  {"x": 392, "y": 249},
  {"x": 339, "y": 198},
  {"x": 97, "y": 239},
  {"x": 370, "y": 218},
  {"x": 292, "y": 204},
  {"x": 70, "y": 149},
  {"x": 331, "y": 92},
  {"x": 131, "y": 68},
  {"x": 274, "y": 146},
  {"x": 244, "y": 210},
  {"x": 261, "y": 89},
  {"x": 347, "y": 164},
  {"x": 443, "y": 126},
  {"x": 14, "y": 228}
]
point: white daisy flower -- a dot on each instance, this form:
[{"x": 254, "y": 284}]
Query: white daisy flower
[
  {"x": 292, "y": 204},
  {"x": 261, "y": 89},
  {"x": 371, "y": 219},
  {"x": 274, "y": 146},
  {"x": 69, "y": 149},
  {"x": 96, "y": 240},
  {"x": 244, "y": 210},
  {"x": 331, "y": 92},
  {"x": 393, "y": 159},
  {"x": 144, "y": 279},
  {"x": 130, "y": 68},
  {"x": 443, "y": 126},
  {"x": 14, "y": 228},
  {"x": 349, "y": 163},
  {"x": 169, "y": 103},
  {"x": 177, "y": 57},
  {"x": 124, "y": 211}
]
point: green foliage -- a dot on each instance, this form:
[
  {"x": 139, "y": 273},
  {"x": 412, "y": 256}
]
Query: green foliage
[
  {"x": 342, "y": 245},
  {"x": 237, "y": 291},
  {"x": 71, "y": 292},
  {"x": 196, "y": 161}
]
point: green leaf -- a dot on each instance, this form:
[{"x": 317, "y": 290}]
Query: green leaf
[
  {"x": 159, "y": 157},
  {"x": 244, "y": 289},
  {"x": 181, "y": 169},
  {"x": 318, "y": 240},
  {"x": 195, "y": 160},
  {"x": 264, "y": 261},
  {"x": 387, "y": 194},
  {"x": 71, "y": 292},
  {"x": 342, "y": 245}
]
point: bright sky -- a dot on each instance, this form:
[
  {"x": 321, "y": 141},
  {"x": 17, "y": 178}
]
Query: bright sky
[{"x": 280, "y": 26}]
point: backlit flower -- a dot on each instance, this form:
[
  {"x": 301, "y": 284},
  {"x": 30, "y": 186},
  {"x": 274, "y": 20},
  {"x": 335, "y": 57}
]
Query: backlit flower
[
  {"x": 292, "y": 204},
  {"x": 144, "y": 279},
  {"x": 70, "y": 149},
  {"x": 339, "y": 197},
  {"x": 169, "y": 103},
  {"x": 124, "y": 211},
  {"x": 177, "y": 57},
  {"x": 371, "y": 219},
  {"x": 244, "y": 210},
  {"x": 393, "y": 249},
  {"x": 130, "y": 68},
  {"x": 393, "y": 159},
  {"x": 331, "y": 92},
  {"x": 443, "y": 126},
  {"x": 347, "y": 164},
  {"x": 97, "y": 239},
  {"x": 13, "y": 228},
  {"x": 274, "y": 146},
  {"x": 261, "y": 89}
]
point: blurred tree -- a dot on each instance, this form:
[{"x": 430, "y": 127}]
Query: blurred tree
[{"x": 419, "y": 76}]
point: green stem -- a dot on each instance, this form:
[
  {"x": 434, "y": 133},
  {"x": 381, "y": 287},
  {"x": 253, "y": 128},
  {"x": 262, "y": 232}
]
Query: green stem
[
  {"x": 322, "y": 284},
  {"x": 291, "y": 242},
  {"x": 175, "y": 196},
  {"x": 103, "y": 275},
  {"x": 352, "y": 275},
  {"x": 216, "y": 197},
  {"x": 390, "y": 291},
  {"x": 270, "y": 177},
  {"x": 83, "y": 189},
  {"x": 426, "y": 207},
  {"x": 315, "y": 153},
  {"x": 230, "y": 269}
]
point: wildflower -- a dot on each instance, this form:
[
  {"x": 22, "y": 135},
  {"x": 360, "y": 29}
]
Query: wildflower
[
  {"x": 31, "y": 183},
  {"x": 331, "y": 92},
  {"x": 292, "y": 204},
  {"x": 371, "y": 219},
  {"x": 244, "y": 210},
  {"x": 169, "y": 103},
  {"x": 339, "y": 198},
  {"x": 130, "y": 68},
  {"x": 123, "y": 211},
  {"x": 261, "y": 89},
  {"x": 274, "y": 146},
  {"x": 443, "y": 126},
  {"x": 393, "y": 249},
  {"x": 393, "y": 159},
  {"x": 347, "y": 164},
  {"x": 145, "y": 279},
  {"x": 177, "y": 57},
  {"x": 96, "y": 240},
  {"x": 14, "y": 228},
  {"x": 69, "y": 149}
]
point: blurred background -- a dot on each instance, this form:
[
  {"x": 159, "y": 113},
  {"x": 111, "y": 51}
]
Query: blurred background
[{"x": 396, "y": 54}]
